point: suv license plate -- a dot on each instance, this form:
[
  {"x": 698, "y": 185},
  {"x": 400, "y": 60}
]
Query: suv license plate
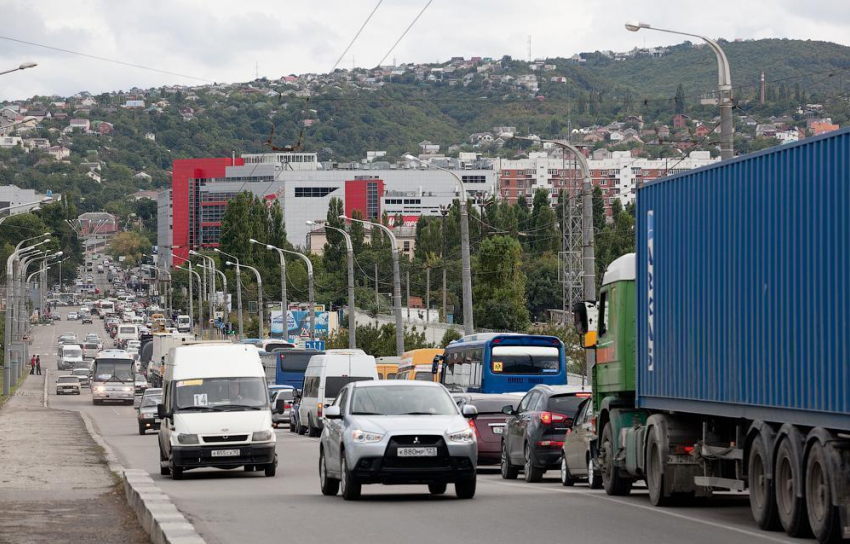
[
  {"x": 498, "y": 429},
  {"x": 416, "y": 452},
  {"x": 225, "y": 453}
]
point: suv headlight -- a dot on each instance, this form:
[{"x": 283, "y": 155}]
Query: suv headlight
[
  {"x": 187, "y": 438},
  {"x": 261, "y": 436},
  {"x": 466, "y": 436},
  {"x": 365, "y": 437}
]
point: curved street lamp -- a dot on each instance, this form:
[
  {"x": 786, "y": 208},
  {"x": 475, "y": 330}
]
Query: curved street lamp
[
  {"x": 352, "y": 322},
  {"x": 310, "y": 292},
  {"x": 22, "y": 66},
  {"x": 238, "y": 289},
  {"x": 724, "y": 86}
]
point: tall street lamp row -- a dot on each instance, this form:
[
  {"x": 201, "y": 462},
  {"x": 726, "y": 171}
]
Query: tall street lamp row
[{"x": 352, "y": 322}]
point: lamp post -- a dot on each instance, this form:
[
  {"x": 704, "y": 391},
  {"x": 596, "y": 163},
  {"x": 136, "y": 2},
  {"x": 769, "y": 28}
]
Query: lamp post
[
  {"x": 211, "y": 283},
  {"x": 238, "y": 289},
  {"x": 191, "y": 309},
  {"x": 399, "y": 325},
  {"x": 588, "y": 255},
  {"x": 724, "y": 87},
  {"x": 466, "y": 263},
  {"x": 283, "y": 302},
  {"x": 310, "y": 292},
  {"x": 259, "y": 295},
  {"x": 22, "y": 66},
  {"x": 352, "y": 325},
  {"x": 23, "y": 205}
]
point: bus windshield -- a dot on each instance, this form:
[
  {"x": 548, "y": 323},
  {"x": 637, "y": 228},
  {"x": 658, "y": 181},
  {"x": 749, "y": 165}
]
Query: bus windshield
[{"x": 113, "y": 370}]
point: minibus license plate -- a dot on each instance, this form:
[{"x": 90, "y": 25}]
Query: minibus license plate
[
  {"x": 498, "y": 429},
  {"x": 417, "y": 452},
  {"x": 225, "y": 453}
]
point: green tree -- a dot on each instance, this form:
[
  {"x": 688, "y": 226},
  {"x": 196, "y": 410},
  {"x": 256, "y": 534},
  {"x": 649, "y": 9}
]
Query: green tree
[
  {"x": 679, "y": 100},
  {"x": 499, "y": 285},
  {"x": 130, "y": 245}
]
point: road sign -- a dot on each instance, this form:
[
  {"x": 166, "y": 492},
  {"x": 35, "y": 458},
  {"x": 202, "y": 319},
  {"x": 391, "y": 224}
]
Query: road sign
[{"x": 315, "y": 344}]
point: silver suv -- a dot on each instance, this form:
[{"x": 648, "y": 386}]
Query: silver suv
[{"x": 397, "y": 432}]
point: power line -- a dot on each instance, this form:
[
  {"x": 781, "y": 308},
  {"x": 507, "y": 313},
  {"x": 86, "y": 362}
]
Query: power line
[
  {"x": 403, "y": 34},
  {"x": 357, "y": 35},
  {"x": 105, "y": 59}
]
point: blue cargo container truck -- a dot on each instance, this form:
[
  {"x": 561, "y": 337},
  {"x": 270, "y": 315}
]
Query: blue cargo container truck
[{"x": 723, "y": 344}]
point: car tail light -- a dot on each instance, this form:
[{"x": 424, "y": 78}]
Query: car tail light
[
  {"x": 288, "y": 405},
  {"x": 550, "y": 444},
  {"x": 474, "y": 428},
  {"x": 547, "y": 418}
]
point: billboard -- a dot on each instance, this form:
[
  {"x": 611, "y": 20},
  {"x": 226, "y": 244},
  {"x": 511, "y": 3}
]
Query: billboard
[{"x": 298, "y": 324}]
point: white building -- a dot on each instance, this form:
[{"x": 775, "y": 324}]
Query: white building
[{"x": 12, "y": 195}]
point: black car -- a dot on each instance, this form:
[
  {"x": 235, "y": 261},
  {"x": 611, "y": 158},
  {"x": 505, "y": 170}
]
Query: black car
[
  {"x": 147, "y": 416},
  {"x": 534, "y": 431}
]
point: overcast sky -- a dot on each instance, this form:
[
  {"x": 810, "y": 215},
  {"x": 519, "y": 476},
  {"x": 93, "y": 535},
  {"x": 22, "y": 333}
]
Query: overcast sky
[{"x": 223, "y": 40}]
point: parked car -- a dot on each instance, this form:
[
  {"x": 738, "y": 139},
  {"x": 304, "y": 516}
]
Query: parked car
[
  {"x": 84, "y": 374},
  {"x": 397, "y": 432},
  {"x": 72, "y": 316},
  {"x": 146, "y": 411},
  {"x": 579, "y": 449},
  {"x": 281, "y": 397},
  {"x": 68, "y": 385},
  {"x": 490, "y": 424},
  {"x": 535, "y": 430}
]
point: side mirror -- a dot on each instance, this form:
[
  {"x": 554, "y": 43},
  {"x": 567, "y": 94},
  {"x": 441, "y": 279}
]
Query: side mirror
[
  {"x": 469, "y": 411},
  {"x": 508, "y": 410},
  {"x": 160, "y": 411},
  {"x": 332, "y": 412},
  {"x": 279, "y": 406}
]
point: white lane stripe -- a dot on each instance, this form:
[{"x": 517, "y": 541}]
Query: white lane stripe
[{"x": 604, "y": 497}]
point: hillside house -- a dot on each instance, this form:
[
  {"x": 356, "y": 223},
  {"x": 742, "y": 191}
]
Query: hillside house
[
  {"x": 59, "y": 152},
  {"x": 8, "y": 142},
  {"x": 680, "y": 120},
  {"x": 80, "y": 125}
]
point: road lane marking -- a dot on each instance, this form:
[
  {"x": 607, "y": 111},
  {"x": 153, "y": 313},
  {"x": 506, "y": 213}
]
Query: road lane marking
[{"x": 605, "y": 497}]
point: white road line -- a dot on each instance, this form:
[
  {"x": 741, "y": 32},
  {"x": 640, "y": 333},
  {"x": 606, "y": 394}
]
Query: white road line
[{"x": 604, "y": 497}]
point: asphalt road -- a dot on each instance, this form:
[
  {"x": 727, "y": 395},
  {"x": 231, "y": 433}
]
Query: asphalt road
[{"x": 235, "y": 506}]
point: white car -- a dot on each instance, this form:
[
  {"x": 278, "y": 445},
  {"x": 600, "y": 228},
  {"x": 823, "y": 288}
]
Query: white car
[
  {"x": 68, "y": 385},
  {"x": 72, "y": 316}
]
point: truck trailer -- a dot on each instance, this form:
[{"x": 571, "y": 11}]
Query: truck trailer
[{"x": 723, "y": 344}]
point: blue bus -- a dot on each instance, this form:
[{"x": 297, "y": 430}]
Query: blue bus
[
  {"x": 503, "y": 363},
  {"x": 290, "y": 365}
]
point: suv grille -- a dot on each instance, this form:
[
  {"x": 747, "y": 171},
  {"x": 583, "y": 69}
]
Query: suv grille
[{"x": 226, "y": 438}]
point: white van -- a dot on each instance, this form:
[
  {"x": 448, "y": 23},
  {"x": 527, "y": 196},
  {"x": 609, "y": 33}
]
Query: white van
[
  {"x": 325, "y": 376},
  {"x": 126, "y": 332},
  {"x": 70, "y": 356},
  {"x": 184, "y": 323},
  {"x": 215, "y": 410}
]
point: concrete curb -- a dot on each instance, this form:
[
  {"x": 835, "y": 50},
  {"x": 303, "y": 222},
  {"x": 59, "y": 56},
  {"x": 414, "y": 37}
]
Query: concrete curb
[
  {"x": 46, "y": 379},
  {"x": 157, "y": 514}
]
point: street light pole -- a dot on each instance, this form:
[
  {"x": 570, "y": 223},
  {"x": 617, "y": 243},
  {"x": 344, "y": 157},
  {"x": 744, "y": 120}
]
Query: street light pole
[
  {"x": 22, "y": 66},
  {"x": 310, "y": 293},
  {"x": 466, "y": 262},
  {"x": 238, "y": 289},
  {"x": 352, "y": 322},
  {"x": 724, "y": 87},
  {"x": 259, "y": 296},
  {"x": 283, "y": 303},
  {"x": 399, "y": 324},
  {"x": 191, "y": 309}
]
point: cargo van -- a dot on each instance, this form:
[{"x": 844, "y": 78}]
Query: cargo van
[
  {"x": 215, "y": 411},
  {"x": 325, "y": 376},
  {"x": 184, "y": 323}
]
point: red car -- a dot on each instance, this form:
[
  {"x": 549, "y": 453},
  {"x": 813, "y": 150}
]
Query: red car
[{"x": 490, "y": 423}]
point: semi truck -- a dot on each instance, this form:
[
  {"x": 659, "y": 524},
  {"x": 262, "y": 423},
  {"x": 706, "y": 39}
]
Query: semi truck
[{"x": 722, "y": 346}]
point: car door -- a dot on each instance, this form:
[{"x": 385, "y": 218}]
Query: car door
[
  {"x": 166, "y": 425},
  {"x": 575, "y": 443},
  {"x": 518, "y": 427},
  {"x": 334, "y": 430}
]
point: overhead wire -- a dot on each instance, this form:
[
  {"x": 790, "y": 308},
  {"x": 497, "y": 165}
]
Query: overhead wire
[{"x": 403, "y": 34}]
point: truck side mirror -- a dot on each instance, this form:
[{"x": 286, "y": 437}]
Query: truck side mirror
[
  {"x": 585, "y": 316},
  {"x": 160, "y": 411}
]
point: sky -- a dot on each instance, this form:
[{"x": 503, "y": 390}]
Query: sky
[{"x": 226, "y": 41}]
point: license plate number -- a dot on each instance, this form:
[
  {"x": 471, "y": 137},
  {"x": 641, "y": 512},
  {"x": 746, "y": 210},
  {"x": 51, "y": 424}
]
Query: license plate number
[
  {"x": 417, "y": 452},
  {"x": 225, "y": 453},
  {"x": 156, "y": 420},
  {"x": 498, "y": 430}
]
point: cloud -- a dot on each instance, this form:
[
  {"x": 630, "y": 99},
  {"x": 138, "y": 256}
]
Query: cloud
[{"x": 221, "y": 40}]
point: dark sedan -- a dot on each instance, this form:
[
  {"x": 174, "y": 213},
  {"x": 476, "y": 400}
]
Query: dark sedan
[
  {"x": 535, "y": 431},
  {"x": 489, "y": 427}
]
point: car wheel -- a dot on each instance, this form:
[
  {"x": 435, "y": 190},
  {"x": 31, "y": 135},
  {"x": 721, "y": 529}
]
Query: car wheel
[
  {"x": 566, "y": 479},
  {"x": 509, "y": 472},
  {"x": 141, "y": 429},
  {"x": 163, "y": 469},
  {"x": 329, "y": 486},
  {"x": 594, "y": 479},
  {"x": 348, "y": 485},
  {"x": 465, "y": 489},
  {"x": 533, "y": 474},
  {"x": 613, "y": 483},
  {"x": 292, "y": 428},
  {"x": 271, "y": 469},
  {"x": 437, "y": 489}
]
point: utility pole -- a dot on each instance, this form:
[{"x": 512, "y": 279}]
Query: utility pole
[
  {"x": 427, "y": 294},
  {"x": 444, "y": 211},
  {"x": 571, "y": 267},
  {"x": 408, "y": 295}
]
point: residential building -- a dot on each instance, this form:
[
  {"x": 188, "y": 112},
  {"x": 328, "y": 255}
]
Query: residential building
[
  {"x": 7, "y": 142},
  {"x": 405, "y": 236},
  {"x": 100, "y": 223},
  {"x": 59, "y": 152},
  {"x": 822, "y": 127},
  {"x": 82, "y": 125},
  {"x": 12, "y": 195}
]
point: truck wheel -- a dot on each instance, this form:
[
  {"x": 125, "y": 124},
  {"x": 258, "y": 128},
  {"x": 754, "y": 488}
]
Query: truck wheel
[
  {"x": 509, "y": 472},
  {"x": 655, "y": 471},
  {"x": 791, "y": 508},
  {"x": 613, "y": 483},
  {"x": 824, "y": 516},
  {"x": 762, "y": 492}
]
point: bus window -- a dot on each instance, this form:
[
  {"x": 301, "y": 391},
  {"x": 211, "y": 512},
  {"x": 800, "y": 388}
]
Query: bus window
[{"x": 525, "y": 360}]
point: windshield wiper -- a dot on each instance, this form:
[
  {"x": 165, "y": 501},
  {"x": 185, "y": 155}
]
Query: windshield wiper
[
  {"x": 190, "y": 408},
  {"x": 229, "y": 407},
  {"x": 366, "y": 414},
  {"x": 418, "y": 414}
]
